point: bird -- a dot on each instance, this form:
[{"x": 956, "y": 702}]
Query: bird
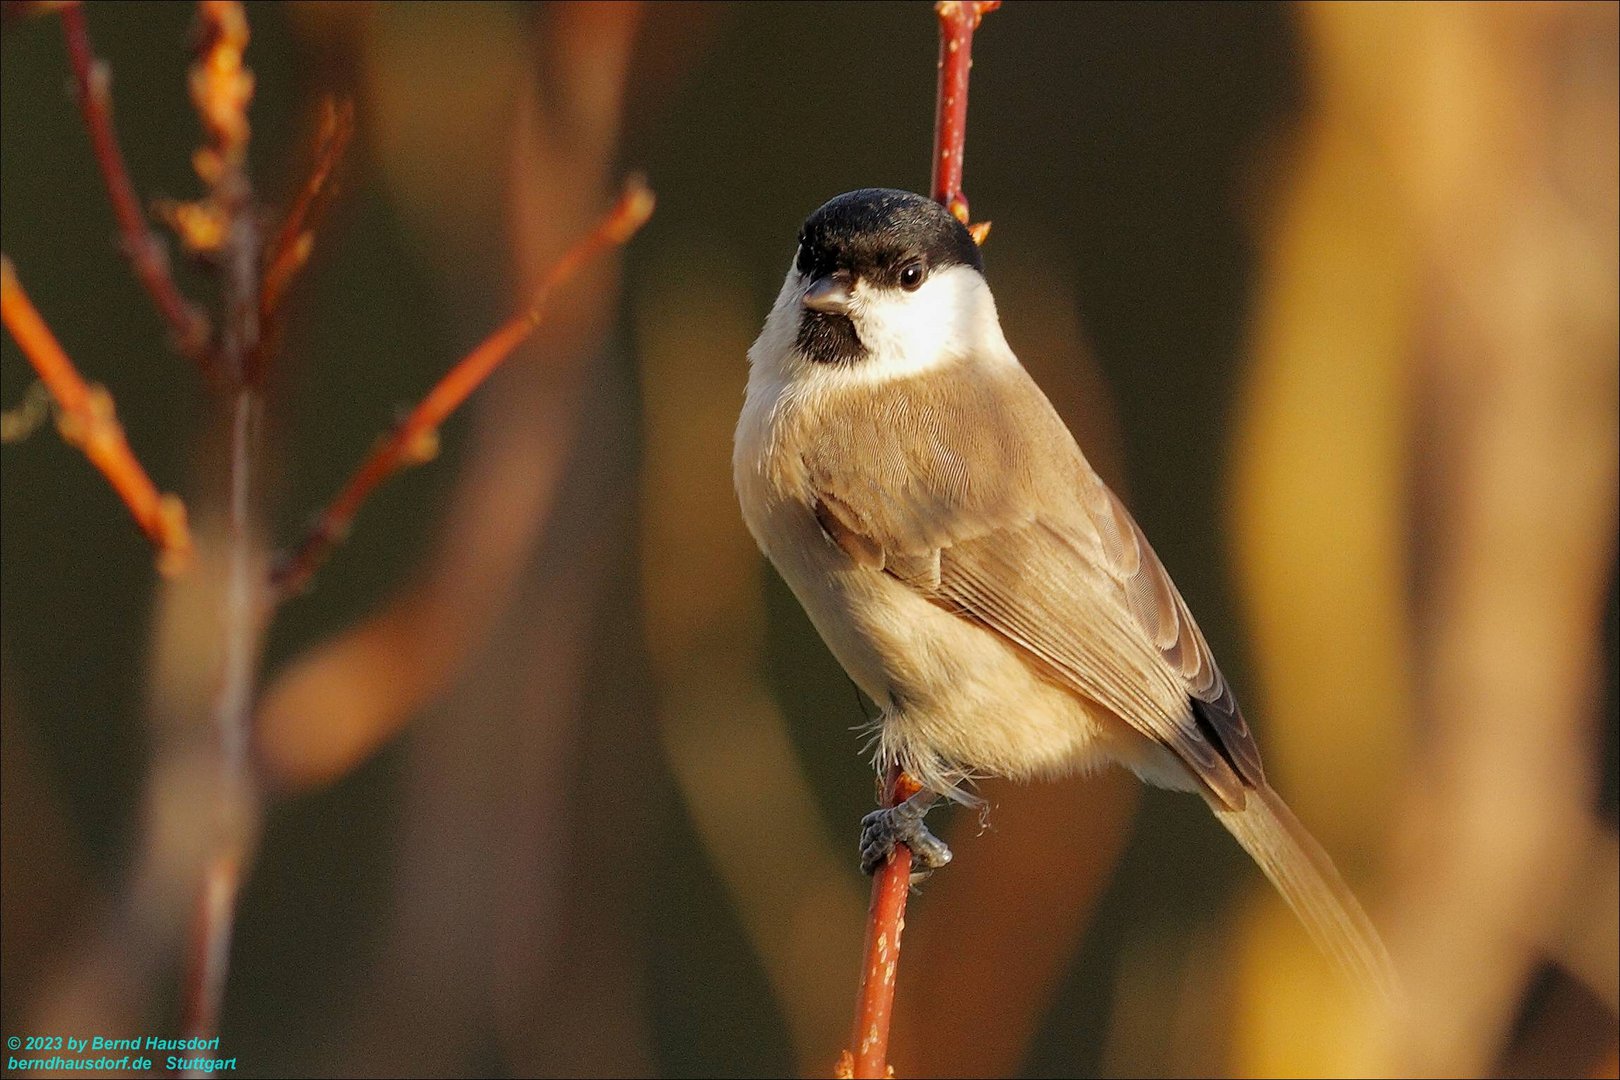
[{"x": 977, "y": 580}]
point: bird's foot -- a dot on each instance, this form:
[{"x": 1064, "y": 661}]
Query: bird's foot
[{"x": 882, "y": 829}]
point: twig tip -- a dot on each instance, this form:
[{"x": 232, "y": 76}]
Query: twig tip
[
  {"x": 635, "y": 206},
  {"x": 976, "y": 10}
]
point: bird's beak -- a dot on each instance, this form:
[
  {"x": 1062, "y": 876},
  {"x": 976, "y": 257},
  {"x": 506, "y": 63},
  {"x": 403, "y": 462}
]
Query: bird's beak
[{"x": 830, "y": 293}]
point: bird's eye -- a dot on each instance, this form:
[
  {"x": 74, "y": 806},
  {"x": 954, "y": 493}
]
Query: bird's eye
[
  {"x": 804, "y": 259},
  {"x": 911, "y": 276}
]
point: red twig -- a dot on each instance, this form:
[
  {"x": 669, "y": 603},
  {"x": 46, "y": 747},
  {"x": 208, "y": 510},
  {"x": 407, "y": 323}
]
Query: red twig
[
  {"x": 957, "y": 21},
  {"x": 188, "y": 327},
  {"x": 223, "y": 229},
  {"x": 295, "y": 239},
  {"x": 90, "y": 423},
  {"x": 886, "y": 918},
  {"x": 415, "y": 440}
]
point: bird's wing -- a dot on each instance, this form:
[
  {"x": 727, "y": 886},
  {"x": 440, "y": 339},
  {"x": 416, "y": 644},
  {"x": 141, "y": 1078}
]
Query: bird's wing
[{"x": 972, "y": 492}]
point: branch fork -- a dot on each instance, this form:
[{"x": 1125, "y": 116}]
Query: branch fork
[
  {"x": 415, "y": 439},
  {"x": 221, "y": 229},
  {"x": 88, "y": 420}
]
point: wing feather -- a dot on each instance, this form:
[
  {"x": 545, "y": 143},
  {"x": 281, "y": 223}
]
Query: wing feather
[{"x": 1006, "y": 524}]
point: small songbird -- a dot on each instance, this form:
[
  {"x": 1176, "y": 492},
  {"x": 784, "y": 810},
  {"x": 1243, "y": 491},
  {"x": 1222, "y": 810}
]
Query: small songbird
[{"x": 974, "y": 576}]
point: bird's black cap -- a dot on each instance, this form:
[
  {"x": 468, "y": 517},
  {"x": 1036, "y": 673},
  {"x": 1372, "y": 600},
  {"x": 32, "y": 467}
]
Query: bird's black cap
[{"x": 874, "y": 232}]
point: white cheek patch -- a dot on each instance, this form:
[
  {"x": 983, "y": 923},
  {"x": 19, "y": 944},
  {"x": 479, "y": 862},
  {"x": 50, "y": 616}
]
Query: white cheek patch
[{"x": 952, "y": 316}]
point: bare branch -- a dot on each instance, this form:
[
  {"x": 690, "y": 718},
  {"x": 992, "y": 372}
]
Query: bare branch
[
  {"x": 874, "y": 1006},
  {"x": 957, "y": 21},
  {"x": 415, "y": 440},
  {"x": 221, "y": 90},
  {"x": 89, "y": 421},
  {"x": 290, "y": 249},
  {"x": 188, "y": 327}
]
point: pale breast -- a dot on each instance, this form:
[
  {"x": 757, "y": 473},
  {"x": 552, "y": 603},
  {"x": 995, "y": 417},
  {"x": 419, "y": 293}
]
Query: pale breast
[{"x": 950, "y": 691}]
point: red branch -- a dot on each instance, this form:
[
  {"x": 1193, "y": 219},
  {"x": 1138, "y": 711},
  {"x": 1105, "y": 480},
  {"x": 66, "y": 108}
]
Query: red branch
[
  {"x": 89, "y": 422},
  {"x": 221, "y": 91},
  {"x": 957, "y": 21},
  {"x": 415, "y": 440},
  {"x": 289, "y": 251},
  {"x": 188, "y": 327},
  {"x": 886, "y": 918}
]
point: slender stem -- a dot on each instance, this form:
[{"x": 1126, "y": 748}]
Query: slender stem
[
  {"x": 204, "y": 988},
  {"x": 90, "y": 422},
  {"x": 188, "y": 327},
  {"x": 886, "y": 918},
  {"x": 957, "y": 21},
  {"x": 290, "y": 249},
  {"x": 221, "y": 90},
  {"x": 416, "y": 438}
]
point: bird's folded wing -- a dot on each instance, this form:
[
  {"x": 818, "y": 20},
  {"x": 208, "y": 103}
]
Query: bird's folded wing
[{"x": 1038, "y": 550}]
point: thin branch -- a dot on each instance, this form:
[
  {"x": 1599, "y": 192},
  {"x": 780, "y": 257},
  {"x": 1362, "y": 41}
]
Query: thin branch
[
  {"x": 957, "y": 21},
  {"x": 415, "y": 440},
  {"x": 89, "y": 421},
  {"x": 226, "y": 232},
  {"x": 223, "y": 227},
  {"x": 188, "y": 327},
  {"x": 294, "y": 241},
  {"x": 203, "y": 989},
  {"x": 886, "y": 918},
  {"x": 874, "y": 1005}
]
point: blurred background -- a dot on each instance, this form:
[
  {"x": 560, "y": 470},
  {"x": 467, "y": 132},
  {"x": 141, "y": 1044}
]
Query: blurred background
[{"x": 559, "y": 779}]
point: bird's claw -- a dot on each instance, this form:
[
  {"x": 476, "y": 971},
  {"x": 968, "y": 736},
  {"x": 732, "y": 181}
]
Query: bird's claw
[{"x": 882, "y": 829}]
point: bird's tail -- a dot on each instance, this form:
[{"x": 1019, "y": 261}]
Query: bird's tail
[{"x": 1308, "y": 881}]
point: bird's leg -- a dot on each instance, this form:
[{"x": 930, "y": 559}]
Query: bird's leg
[{"x": 902, "y": 824}]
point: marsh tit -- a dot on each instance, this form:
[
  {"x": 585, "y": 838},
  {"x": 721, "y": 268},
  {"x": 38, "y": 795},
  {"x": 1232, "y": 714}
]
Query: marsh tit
[{"x": 968, "y": 568}]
